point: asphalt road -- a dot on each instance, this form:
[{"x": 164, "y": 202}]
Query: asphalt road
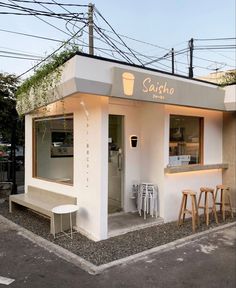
[{"x": 206, "y": 262}]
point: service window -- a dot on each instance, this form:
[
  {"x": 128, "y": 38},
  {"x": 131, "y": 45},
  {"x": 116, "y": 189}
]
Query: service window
[
  {"x": 53, "y": 149},
  {"x": 185, "y": 141}
]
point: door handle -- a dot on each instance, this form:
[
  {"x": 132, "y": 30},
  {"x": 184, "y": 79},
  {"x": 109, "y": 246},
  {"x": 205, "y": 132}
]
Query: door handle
[{"x": 119, "y": 161}]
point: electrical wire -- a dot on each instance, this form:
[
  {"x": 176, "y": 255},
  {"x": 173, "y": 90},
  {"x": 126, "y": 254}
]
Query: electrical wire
[
  {"x": 139, "y": 41},
  {"x": 65, "y": 9},
  {"x": 215, "y": 39},
  {"x": 49, "y": 3},
  {"x": 55, "y": 51},
  {"x": 48, "y": 23},
  {"x": 113, "y": 44},
  {"x": 68, "y": 21},
  {"x": 109, "y": 42},
  {"x": 20, "y": 54},
  {"x": 119, "y": 51},
  {"x": 115, "y": 40},
  {"x": 17, "y": 50},
  {"x": 31, "y": 35},
  {"x": 31, "y": 12},
  {"x": 104, "y": 37},
  {"x": 16, "y": 57},
  {"x": 117, "y": 35},
  {"x": 52, "y": 39}
]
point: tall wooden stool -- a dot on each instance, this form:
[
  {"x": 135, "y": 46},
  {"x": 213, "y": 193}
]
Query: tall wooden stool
[
  {"x": 184, "y": 210},
  {"x": 224, "y": 193},
  {"x": 206, "y": 207}
]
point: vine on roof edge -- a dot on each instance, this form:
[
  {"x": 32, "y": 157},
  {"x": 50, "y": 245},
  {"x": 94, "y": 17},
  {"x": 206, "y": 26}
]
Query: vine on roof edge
[{"x": 37, "y": 90}]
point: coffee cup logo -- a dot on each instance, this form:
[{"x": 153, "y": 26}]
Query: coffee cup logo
[{"x": 128, "y": 83}]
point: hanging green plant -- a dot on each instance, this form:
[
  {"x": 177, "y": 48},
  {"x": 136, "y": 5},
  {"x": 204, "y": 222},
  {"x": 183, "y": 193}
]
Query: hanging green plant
[
  {"x": 37, "y": 90},
  {"x": 228, "y": 78}
]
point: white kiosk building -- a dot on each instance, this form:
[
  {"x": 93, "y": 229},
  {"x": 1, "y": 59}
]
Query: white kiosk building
[{"x": 111, "y": 125}]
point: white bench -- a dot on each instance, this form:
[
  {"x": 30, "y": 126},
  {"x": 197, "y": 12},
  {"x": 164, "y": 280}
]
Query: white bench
[{"x": 42, "y": 201}]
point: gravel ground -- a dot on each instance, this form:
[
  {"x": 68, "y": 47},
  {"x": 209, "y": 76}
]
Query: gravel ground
[{"x": 113, "y": 248}]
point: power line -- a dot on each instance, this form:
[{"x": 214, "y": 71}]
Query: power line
[
  {"x": 120, "y": 43},
  {"x": 31, "y": 12},
  {"x": 31, "y": 35},
  {"x": 16, "y": 57},
  {"x": 50, "y": 3},
  {"x": 140, "y": 41},
  {"x": 99, "y": 31},
  {"x": 48, "y": 23},
  {"x": 211, "y": 61},
  {"x": 227, "y": 57},
  {"x": 110, "y": 43},
  {"x": 17, "y": 50},
  {"x": 117, "y": 50},
  {"x": 117, "y": 35},
  {"x": 50, "y": 54},
  {"x": 52, "y": 12},
  {"x": 20, "y": 54},
  {"x": 54, "y": 40},
  {"x": 105, "y": 39},
  {"x": 215, "y": 39},
  {"x": 65, "y": 9},
  {"x": 214, "y": 47}
]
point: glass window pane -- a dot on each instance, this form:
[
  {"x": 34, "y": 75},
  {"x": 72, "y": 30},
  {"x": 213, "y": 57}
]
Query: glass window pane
[
  {"x": 185, "y": 140},
  {"x": 54, "y": 149}
]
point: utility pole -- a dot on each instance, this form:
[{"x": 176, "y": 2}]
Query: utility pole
[
  {"x": 173, "y": 60},
  {"x": 90, "y": 25},
  {"x": 190, "y": 44}
]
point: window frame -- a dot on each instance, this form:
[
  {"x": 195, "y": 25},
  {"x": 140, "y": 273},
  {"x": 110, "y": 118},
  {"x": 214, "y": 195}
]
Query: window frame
[
  {"x": 34, "y": 146},
  {"x": 201, "y": 137}
]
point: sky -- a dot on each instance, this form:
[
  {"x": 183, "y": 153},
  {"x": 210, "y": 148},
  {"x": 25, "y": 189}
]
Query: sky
[{"x": 165, "y": 24}]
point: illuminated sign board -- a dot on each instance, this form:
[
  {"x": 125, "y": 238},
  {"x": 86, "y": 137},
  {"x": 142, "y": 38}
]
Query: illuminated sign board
[{"x": 148, "y": 86}]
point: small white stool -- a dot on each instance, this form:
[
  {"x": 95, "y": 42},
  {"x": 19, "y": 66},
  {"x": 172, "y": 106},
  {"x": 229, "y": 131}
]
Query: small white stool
[
  {"x": 147, "y": 199},
  {"x": 64, "y": 209}
]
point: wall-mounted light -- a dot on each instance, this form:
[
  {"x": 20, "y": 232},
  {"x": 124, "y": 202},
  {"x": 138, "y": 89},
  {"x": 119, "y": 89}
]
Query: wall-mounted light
[{"x": 133, "y": 141}]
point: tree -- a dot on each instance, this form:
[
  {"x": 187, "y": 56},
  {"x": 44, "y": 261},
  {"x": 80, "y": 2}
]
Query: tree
[
  {"x": 8, "y": 86},
  {"x": 8, "y": 113},
  {"x": 10, "y": 123}
]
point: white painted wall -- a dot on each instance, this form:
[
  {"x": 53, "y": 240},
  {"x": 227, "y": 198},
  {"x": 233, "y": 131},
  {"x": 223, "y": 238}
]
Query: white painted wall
[
  {"x": 230, "y": 97},
  {"x": 175, "y": 183},
  {"x": 150, "y": 122},
  {"x": 90, "y": 161},
  {"x": 93, "y": 167},
  {"x": 152, "y": 147}
]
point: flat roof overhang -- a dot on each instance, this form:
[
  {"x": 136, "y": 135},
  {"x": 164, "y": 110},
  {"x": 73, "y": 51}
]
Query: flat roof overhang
[{"x": 95, "y": 75}]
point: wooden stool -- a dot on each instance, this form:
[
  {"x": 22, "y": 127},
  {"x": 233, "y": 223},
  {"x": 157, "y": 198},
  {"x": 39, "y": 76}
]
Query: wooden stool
[
  {"x": 184, "y": 210},
  {"x": 224, "y": 192},
  {"x": 206, "y": 207}
]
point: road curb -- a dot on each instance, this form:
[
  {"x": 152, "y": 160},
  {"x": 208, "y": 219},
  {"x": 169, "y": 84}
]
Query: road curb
[{"x": 90, "y": 267}]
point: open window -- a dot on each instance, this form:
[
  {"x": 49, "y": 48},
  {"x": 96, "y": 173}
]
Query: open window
[
  {"x": 185, "y": 141},
  {"x": 53, "y": 149}
]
